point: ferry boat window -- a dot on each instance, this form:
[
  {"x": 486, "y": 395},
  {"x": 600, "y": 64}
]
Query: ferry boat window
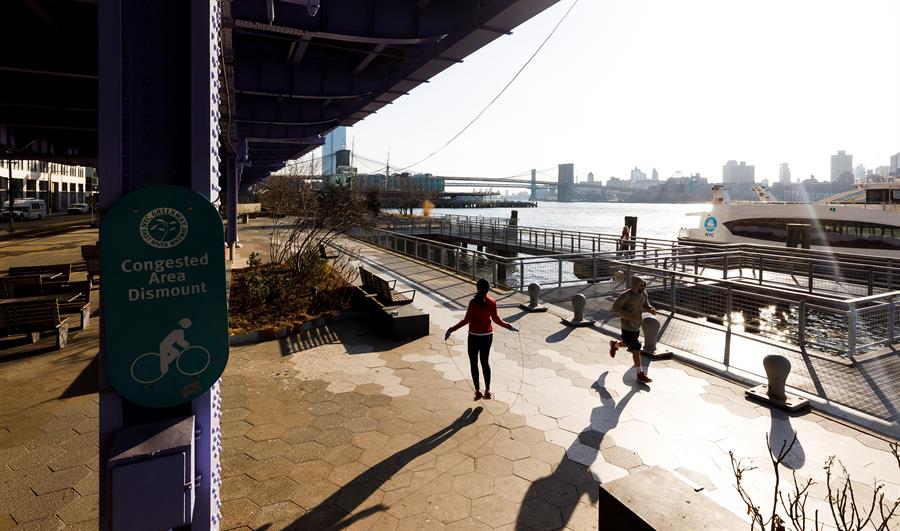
[
  {"x": 877, "y": 196},
  {"x": 834, "y": 233}
]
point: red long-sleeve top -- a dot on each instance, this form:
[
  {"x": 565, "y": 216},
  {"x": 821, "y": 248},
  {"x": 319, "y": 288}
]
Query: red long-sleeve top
[{"x": 479, "y": 317}]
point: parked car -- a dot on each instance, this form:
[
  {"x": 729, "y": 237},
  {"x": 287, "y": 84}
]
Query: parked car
[
  {"x": 27, "y": 208},
  {"x": 79, "y": 208}
]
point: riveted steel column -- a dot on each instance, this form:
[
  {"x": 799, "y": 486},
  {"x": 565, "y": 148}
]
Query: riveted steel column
[{"x": 159, "y": 112}]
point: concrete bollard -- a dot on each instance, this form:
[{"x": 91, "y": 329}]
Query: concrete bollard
[
  {"x": 534, "y": 291},
  {"x": 650, "y": 328},
  {"x": 578, "y": 303},
  {"x": 777, "y": 368}
]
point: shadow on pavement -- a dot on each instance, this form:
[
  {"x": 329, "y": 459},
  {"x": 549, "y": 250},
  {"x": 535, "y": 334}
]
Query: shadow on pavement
[
  {"x": 551, "y": 500},
  {"x": 331, "y": 513}
]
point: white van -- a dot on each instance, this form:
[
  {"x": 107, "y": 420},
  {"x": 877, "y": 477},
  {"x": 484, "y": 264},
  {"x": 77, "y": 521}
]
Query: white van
[{"x": 26, "y": 208}]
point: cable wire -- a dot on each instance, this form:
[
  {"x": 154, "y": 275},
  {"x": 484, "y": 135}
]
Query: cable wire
[{"x": 477, "y": 116}]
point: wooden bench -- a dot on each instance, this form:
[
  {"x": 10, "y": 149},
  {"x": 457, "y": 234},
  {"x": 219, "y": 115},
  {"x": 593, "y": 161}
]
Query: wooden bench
[
  {"x": 10, "y": 285},
  {"x": 383, "y": 290},
  {"x": 91, "y": 256},
  {"x": 654, "y": 499},
  {"x": 73, "y": 297},
  {"x": 57, "y": 272},
  {"x": 31, "y": 316}
]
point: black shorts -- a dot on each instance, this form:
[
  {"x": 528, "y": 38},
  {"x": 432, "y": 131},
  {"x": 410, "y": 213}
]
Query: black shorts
[{"x": 631, "y": 339}]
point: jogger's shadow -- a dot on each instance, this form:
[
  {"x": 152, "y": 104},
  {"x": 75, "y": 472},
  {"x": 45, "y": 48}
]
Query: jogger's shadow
[{"x": 571, "y": 478}]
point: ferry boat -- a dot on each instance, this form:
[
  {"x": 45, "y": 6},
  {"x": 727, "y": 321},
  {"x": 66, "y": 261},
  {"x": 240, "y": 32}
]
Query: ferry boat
[{"x": 863, "y": 220}]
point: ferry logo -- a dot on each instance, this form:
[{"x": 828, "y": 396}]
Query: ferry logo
[
  {"x": 163, "y": 228},
  {"x": 710, "y": 224}
]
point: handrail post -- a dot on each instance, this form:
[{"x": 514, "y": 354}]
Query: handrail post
[
  {"x": 672, "y": 294},
  {"x": 594, "y": 274},
  {"x": 474, "y": 257},
  {"x": 521, "y": 274},
  {"x": 724, "y": 266},
  {"x": 494, "y": 273},
  {"x": 801, "y": 333},
  {"x": 851, "y": 333},
  {"x": 892, "y": 317},
  {"x": 559, "y": 262},
  {"x": 760, "y": 270},
  {"x": 728, "y": 305}
]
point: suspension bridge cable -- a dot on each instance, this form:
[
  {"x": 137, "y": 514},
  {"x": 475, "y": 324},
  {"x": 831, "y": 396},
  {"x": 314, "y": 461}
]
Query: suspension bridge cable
[{"x": 477, "y": 116}]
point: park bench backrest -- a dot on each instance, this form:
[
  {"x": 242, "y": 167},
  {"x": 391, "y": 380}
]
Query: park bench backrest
[
  {"x": 11, "y": 286},
  {"x": 31, "y": 316},
  {"x": 64, "y": 269},
  {"x": 56, "y": 288}
]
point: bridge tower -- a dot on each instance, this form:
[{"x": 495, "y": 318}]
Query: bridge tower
[
  {"x": 566, "y": 182},
  {"x": 533, "y": 185}
]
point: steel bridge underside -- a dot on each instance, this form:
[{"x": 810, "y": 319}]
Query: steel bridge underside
[{"x": 289, "y": 77}]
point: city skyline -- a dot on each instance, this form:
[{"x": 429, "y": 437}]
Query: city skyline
[{"x": 639, "y": 84}]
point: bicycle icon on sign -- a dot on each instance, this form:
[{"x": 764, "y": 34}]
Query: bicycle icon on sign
[{"x": 190, "y": 360}]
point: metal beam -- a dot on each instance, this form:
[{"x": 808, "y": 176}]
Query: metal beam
[
  {"x": 34, "y": 71},
  {"x": 303, "y": 96},
  {"x": 259, "y": 27},
  {"x": 369, "y": 58}
]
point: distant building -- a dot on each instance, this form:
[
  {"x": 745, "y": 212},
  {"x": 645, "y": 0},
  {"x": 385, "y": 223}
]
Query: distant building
[
  {"x": 859, "y": 172},
  {"x": 784, "y": 173},
  {"x": 639, "y": 179},
  {"x": 841, "y": 167},
  {"x": 59, "y": 185},
  {"x": 590, "y": 177},
  {"x": 883, "y": 171},
  {"x": 335, "y": 142},
  {"x": 738, "y": 175},
  {"x": 895, "y": 164},
  {"x": 655, "y": 175}
]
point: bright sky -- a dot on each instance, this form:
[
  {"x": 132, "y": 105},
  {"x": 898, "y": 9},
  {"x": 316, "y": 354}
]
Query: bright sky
[{"x": 680, "y": 86}]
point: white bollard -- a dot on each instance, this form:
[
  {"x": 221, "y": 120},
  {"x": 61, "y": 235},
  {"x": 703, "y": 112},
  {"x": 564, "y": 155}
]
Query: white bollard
[
  {"x": 534, "y": 291},
  {"x": 578, "y": 303},
  {"x": 777, "y": 369}
]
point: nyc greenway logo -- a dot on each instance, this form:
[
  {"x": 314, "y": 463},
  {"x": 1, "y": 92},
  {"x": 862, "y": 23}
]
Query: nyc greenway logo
[{"x": 163, "y": 228}]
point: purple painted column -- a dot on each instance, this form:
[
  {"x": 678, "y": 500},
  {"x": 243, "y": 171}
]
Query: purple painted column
[{"x": 159, "y": 86}]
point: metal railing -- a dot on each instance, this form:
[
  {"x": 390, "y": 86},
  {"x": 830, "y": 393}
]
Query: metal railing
[{"x": 795, "y": 298}]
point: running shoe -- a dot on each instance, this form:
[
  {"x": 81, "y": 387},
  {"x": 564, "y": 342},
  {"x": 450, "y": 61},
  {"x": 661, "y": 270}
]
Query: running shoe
[
  {"x": 613, "y": 347},
  {"x": 642, "y": 377}
]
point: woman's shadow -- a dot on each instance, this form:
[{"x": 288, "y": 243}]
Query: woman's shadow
[
  {"x": 571, "y": 478},
  {"x": 335, "y": 512}
]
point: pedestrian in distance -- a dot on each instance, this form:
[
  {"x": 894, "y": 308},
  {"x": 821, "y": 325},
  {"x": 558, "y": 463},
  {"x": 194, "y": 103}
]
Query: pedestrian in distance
[
  {"x": 629, "y": 308},
  {"x": 481, "y": 311},
  {"x": 624, "y": 240}
]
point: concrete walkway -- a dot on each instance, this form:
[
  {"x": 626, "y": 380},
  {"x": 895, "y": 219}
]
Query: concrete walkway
[{"x": 341, "y": 428}]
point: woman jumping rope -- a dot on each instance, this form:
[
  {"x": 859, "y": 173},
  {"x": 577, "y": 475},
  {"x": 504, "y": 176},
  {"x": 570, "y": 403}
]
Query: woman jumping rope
[{"x": 481, "y": 311}]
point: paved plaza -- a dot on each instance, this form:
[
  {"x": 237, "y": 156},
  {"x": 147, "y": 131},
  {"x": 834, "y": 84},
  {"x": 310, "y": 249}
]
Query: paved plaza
[{"x": 340, "y": 428}]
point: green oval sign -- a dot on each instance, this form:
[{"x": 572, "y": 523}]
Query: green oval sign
[{"x": 164, "y": 303}]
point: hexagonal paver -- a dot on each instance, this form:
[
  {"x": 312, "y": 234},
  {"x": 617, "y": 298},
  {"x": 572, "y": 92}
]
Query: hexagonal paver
[
  {"x": 324, "y": 408},
  {"x": 361, "y": 424},
  {"x": 309, "y": 471},
  {"x": 265, "y": 432},
  {"x": 473, "y": 485},
  {"x": 455, "y": 463},
  {"x": 449, "y": 507},
  {"x": 334, "y": 437},
  {"x": 396, "y": 390},
  {"x": 531, "y": 469},
  {"x": 307, "y": 451},
  {"x": 326, "y": 422},
  {"x": 300, "y": 434},
  {"x": 527, "y": 434},
  {"x": 511, "y": 449},
  {"x": 267, "y": 449},
  {"x": 621, "y": 457},
  {"x": 272, "y": 491},
  {"x": 494, "y": 510},
  {"x": 310, "y": 495},
  {"x": 583, "y": 454},
  {"x": 540, "y": 514},
  {"x": 560, "y": 437},
  {"x": 605, "y": 472},
  {"x": 371, "y": 439},
  {"x": 269, "y": 468},
  {"x": 343, "y": 454},
  {"x": 494, "y": 465},
  {"x": 345, "y": 473}
]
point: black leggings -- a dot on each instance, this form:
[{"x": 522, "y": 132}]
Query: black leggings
[{"x": 480, "y": 346}]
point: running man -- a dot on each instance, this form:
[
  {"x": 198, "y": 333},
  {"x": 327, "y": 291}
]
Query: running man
[
  {"x": 481, "y": 311},
  {"x": 167, "y": 348},
  {"x": 629, "y": 307}
]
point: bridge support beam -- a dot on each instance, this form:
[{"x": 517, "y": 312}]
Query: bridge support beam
[
  {"x": 159, "y": 110},
  {"x": 566, "y": 179},
  {"x": 533, "y": 196}
]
